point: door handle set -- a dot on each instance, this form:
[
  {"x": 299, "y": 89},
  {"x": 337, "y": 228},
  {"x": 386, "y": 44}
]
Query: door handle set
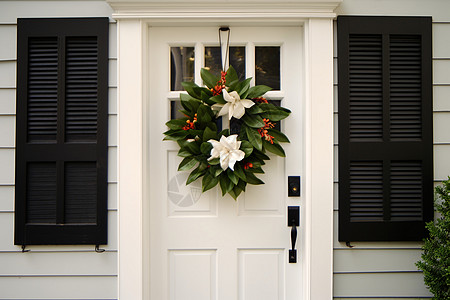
[{"x": 293, "y": 221}]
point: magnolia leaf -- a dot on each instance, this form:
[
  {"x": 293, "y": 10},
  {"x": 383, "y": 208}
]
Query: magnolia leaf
[
  {"x": 255, "y": 109},
  {"x": 242, "y": 184},
  {"x": 177, "y": 123},
  {"x": 209, "y": 134},
  {"x": 243, "y": 87},
  {"x": 208, "y": 79},
  {"x": 258, "y": 91},
  {"x": 254, "y": 121},
  {"x": 218, "y": 171},
  {"x": 256, "y": 170},
  {"x": 187, "y": 163},
  {"x": 275, "y": 148},
  {"x": 195, "y": 174},
  {"x": 275, "y": 115},
  {"x": 234, "y": 179},
  {"x": 193, "y": 147},
  {"x": 252, "y": 179},
  {"x": 208, "y": 182},
  {"x": 214, "y": 161},
  {"x": 192, "y": 89},
  {"x": 231, "y": 75},
  {"x": 205, "y": 148},
  {"x": 226, "y": 184},
  {"x": 247, "y": 147},
  {"x": 260, "y": 155},
  {"x": 278, "y": 135},
  {"x": 183, "y": 152},
  {"x": 175, "y": 136},
  {"x": 203, "y": 115},
  {"x": 218, "y": 99},
  {"x": 239, "y": 171},
  {"x": 235, "y": 192},
  {"x": 207, "y": 99},
  {"x": 254, "y": 137}
]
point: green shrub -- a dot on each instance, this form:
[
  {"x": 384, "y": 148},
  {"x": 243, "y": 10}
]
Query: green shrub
[{"x": 435, "y": 261}]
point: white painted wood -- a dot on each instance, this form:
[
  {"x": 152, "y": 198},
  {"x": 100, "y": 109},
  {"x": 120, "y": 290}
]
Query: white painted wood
[
  {"x": 441, "y": 123},
  {"x": 380, "y": 285},
  {"x": 335, "y": 128},
  {"x": 112, "y": 73},
  {"x": 441, "y": 40},
  {"x": 8, "y": 101},
  {"x": 438, "y": 9},
  {"x": 62, "y": 263},
  {"x": 58, "y": 287},
  {"x": 112, "y": 100},
  {"x": 7, "y": 170},
  {"x": 8, "y": 35},
  {"x": 7, "y": 131},
  {"x": 440, "y": 71},
  {"x": 130, "y": 160},
  {"x": 211, "y": 227},
  {"x": 112, "y": 130},
  {"x": 441, "y": 162},
  {"x": 112, "y": 164},
  {"x": 388, "y": 298},
  {"x": 319, "y": 157},
  {"x": 7, "y": 74},
  {"x": 112, "y": 49},
  {"x": 391, "y": 260},
  {"x": 112, "y": 196},
  {"x": 441, "y": 98},
  {"x": 10, "y": 10},
  {"x": 6, "y": 198}
]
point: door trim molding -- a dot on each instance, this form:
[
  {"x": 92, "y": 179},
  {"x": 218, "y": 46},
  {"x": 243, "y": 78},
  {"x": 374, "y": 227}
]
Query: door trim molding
[{"x": 133, "y": 231}]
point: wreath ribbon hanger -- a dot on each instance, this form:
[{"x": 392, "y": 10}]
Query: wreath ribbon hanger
[{"x": 225, "y": 62}]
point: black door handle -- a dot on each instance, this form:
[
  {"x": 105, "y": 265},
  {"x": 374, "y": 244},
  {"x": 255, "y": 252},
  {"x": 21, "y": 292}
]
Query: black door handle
[{"x": 293, "y": 221}]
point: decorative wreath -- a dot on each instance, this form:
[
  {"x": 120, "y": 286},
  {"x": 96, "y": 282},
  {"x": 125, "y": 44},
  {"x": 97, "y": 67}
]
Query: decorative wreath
[{"x": 218, "y": 156}]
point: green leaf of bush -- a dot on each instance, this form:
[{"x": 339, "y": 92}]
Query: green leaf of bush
[
  {"x": 274, "y": 148},
  {"x": 254, "y": 121},
  {"x": 254, "y": 137},
  {"x": 278, "y": 135},
  {"x": 208, "y": 79},
  {"x": 258, "y": 91},
  {"x": 187, "y": 163},
  {"x": 208, "y": 182}
]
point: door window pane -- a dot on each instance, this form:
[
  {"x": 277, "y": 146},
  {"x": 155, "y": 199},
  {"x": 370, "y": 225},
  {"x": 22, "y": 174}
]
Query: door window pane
[
  {"x": 213, "y": 60},
  {"x": 181, "y": 66},
  {"x": 267, "y": 66}
]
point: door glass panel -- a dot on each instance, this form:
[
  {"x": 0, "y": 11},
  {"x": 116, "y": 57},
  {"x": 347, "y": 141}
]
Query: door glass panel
[
  {"x": 213, "y": 60},
  {"x": 267, "y": 66},
  {"x": 181, "y": 66}
]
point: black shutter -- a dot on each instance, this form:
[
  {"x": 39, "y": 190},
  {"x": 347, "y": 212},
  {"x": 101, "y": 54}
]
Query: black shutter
[
  {"x": 61, "y": 135},
  {"x": 385, "y": 128}
]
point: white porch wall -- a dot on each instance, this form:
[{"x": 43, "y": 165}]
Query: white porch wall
[
  {"x": 372, "y": 270},
  {"x": 52, "y": 272}
]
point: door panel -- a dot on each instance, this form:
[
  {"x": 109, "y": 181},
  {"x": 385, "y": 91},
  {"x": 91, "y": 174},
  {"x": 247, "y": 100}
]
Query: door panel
[{"x": 205, "y": 246}]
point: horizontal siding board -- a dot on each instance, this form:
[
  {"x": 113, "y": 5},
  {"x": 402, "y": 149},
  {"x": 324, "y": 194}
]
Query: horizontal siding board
[
  {"x": 112, "y": 196},
  {"x": 7, "y": 166},
  {"x": 112, "y": 73},
  {"x": 441, "y": 96},
  {"x": 8, "y": 35},
  {"x": 380, "y": 285},
  {"x": 441, "y": 75},
  {"x": 441, "y": 40},
  {"x": 58, "y": 288},
  {"x": 7, "y": 237},
  {"x": 112, "y": 40},
  {"x": 7, "y": 131},
  {"x": 441, "y": 162},
  {"x": 7, "y": 74},
  {"x": 6, "y": 198},
  {"x": 27, "y": 9},
  {"x": 441, "y": 123},
  {"x": 7, "y": 101},
  {"x": 63, "y": 263},
  {"x": 112, "y": 100},
  {"x": 112, "y": 164},
  {"x": 112, "y": 130},
  {"x": 354, "y": 260}
]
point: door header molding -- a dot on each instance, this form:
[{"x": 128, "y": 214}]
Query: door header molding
[{"x": 213, "y": 9}]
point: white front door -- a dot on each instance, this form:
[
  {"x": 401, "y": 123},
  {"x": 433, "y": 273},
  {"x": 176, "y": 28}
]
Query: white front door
[{"x": 205, "y": 246}]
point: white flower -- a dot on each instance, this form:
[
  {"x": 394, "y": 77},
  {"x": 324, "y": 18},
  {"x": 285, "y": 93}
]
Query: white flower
[
  {"x": 228, "y": 151},
  {"x": 235, "y": 106}
]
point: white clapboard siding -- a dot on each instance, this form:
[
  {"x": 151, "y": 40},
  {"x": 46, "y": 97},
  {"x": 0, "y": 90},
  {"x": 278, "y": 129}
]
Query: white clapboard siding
[
  {"x": 7, "y": 166},
  {"x": 7, "y": 131},
  {"x": 112, "y": 164},
  {"x": 112, "y": 130},
  {"x": 6, "y": 198},
  {"x": 8, "y": 35},
  {"x": 57, "y": 263},
  {"x": 7, "y": 74},
  {"x": 371, "y": 260},
  {"x": 11, "y": 10},
  {"x": 441, "y": 162},
  {"x": 7, "y": 101},
  {"x": 441, "y": 123},
  {"x": 112, "y": 41},
  {"x": 441, "y": 75},
  {"x": 7, "y": 238},
  {"x": 112, "y": 100},
  {"x": 441, "y": 40},
  {"x": 380, "y": 285},
  {"x": 441, "y": 98},
  {"x": 58, "y": 287}
]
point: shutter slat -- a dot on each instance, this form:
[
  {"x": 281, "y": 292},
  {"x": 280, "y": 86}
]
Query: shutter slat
[
  {"x": 81, "y": 89},
  {"x": 42, "y": 81}
]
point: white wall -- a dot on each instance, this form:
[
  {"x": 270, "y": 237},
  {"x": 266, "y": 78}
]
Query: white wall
[
  {"x": 51, "y": 272},
  {"x": 371, "y": 270}
]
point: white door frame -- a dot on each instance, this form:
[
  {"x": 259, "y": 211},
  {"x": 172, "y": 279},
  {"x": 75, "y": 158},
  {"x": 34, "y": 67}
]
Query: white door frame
[{"x": 134, "y": 18}]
